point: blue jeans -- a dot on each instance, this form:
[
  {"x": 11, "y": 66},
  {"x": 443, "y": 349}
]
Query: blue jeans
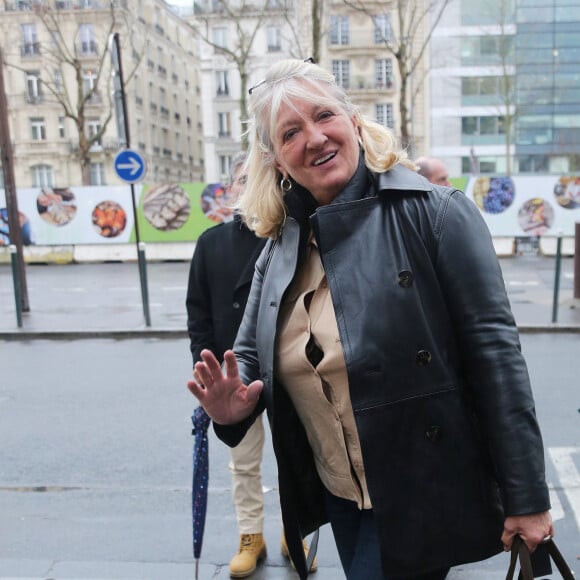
[{"x": 357, "y": 542}]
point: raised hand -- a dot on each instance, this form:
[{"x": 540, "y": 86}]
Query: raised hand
[{"x": 224, "y": 396}]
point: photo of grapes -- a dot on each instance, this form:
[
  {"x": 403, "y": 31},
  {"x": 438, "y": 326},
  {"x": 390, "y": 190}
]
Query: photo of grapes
[{"x": 493, "y": 194}]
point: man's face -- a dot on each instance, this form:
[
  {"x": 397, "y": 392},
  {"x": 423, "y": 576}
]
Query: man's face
[
  {"x": 439, "y": 173},
  {"x": 238, "y": 184}
]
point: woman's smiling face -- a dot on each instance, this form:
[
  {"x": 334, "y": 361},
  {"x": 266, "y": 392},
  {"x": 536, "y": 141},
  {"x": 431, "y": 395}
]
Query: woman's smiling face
[{"x": 317, "y": 145}]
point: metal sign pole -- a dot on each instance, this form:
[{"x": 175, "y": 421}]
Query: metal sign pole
[
  {"x": 123, "y": 130},
  {"x": 10, "y": 193}
]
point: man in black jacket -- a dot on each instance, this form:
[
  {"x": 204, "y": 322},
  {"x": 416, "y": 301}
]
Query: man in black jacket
[
  {"x": 220, "y": 277},
  {"x": 219, "y": 283}
]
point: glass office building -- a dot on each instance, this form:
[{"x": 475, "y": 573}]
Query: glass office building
[
  {"x": 547, "y": 56},
  {"x": 505, "y": 87}
]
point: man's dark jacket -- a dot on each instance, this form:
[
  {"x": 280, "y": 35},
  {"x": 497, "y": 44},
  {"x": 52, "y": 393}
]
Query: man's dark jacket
[
  {"x": 220, "y": 276},
  {"x": 439, "y": 388}
]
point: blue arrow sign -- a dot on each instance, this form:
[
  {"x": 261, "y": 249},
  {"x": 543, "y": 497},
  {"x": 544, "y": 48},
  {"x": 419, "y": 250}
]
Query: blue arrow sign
[{"x": 130, "y": 166}]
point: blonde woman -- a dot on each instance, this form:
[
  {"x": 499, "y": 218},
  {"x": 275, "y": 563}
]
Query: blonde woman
[{"x": 379, "y": 337}]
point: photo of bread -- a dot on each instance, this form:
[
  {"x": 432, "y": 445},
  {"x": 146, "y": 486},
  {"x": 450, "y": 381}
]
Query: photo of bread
[{"x": 166, "y": 206}]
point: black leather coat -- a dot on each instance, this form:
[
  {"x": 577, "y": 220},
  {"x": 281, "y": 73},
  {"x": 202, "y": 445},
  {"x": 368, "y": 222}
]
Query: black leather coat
[{"x": 439, "y": 387}]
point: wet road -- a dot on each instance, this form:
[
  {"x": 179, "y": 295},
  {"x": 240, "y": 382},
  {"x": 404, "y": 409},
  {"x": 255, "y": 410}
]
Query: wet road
[{"x": 95, "y": 463}]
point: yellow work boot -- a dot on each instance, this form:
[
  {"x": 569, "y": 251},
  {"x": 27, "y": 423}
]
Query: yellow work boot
[
  {"x": 286, "y": 553},
  {"x": 252, "y": 550}
]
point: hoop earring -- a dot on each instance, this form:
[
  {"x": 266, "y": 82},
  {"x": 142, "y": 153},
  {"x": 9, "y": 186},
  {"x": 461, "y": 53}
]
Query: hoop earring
[{"x": 285, "y": 184}]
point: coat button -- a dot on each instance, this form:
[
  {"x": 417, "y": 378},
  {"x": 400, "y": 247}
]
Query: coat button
[
  {"x": 236, "y": 305},
  {"x": 432, "y": 433},
  {"x": 423, "y": 358},
  {"x": 405, "y": 278}
]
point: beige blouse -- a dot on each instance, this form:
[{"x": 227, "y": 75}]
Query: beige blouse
[{"x": 310, "y": 364}]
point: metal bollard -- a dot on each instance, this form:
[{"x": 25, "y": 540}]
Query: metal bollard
[
  {"x": 16, "y": 282},
  {"x": 143, "y": 277},
  {"x": 577, "y": 260},
  {"x": 557, "y": 278}
]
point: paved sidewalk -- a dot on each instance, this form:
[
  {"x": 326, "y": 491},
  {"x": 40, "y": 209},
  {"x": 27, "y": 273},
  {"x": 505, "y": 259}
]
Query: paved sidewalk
[{"x": 105, "y": 299}]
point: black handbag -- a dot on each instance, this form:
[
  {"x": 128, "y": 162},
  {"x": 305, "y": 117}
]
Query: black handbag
[{"x": 520, "y": 552}]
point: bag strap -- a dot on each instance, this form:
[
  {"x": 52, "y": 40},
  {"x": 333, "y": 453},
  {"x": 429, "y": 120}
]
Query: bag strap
[{"x": 520, "y": 552}]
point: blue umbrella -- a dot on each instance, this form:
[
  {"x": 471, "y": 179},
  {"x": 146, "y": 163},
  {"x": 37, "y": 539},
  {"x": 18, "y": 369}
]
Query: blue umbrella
[{"x": 201, "y": 422}]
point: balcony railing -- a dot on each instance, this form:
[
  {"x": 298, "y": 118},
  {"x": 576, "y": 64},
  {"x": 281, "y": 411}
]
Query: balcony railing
[
  {"x": 97, "y": 147},
  {"x": 87, "y": 48},
  {"x": 30, "y": 5},
  {"x": 30, "y": 49},
  {"x": 34, "y": 99}
]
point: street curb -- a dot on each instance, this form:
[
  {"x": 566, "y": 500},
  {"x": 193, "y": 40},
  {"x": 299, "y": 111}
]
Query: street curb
[
  {"x": 119, "y": 334},
  {"x": 173, "y": 333}
]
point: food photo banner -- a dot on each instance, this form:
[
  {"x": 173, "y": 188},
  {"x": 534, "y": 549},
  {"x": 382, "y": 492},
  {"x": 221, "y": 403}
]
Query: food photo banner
[
  {"x": 526, "y": 205},
  {"x": 180, "y": 212},
  {"x": 174, "y": 212}
]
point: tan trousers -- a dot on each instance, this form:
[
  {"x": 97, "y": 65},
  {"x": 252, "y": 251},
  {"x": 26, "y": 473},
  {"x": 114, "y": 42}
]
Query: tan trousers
[{"x": 247, "y": 493}]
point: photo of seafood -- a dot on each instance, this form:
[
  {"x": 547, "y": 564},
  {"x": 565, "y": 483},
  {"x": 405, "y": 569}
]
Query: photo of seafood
[
  {"x": 215, "y": 203},
  {"x": 109, "y": 219}
]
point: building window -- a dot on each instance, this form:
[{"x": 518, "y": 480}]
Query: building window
[
  {"x": 87, "y": 44},
  {"x": 339, "y": 30},
  {"x": 274, "y": 39},
  {"x": 383, "y": 33},
  {"x": 224, "y": 163},
  {"x": 42, "y": 176},
  {"x": 487, "y": 50},
  {"x": 384, "y": 115},
  {"x": 30, "y": 45},
  {"x": 220, "y": 36},
  {"x": 483, "y": 125},
  {"x": 221, "y": 83},
  {"x": 478, "y": 13},
  {"x": 38, "y": 128},
  {"x": 93, "y": 128},
  {"x": 341, "y": 71},
  {"x": 33, "y": 87},
  {"x": 98, "y": 174},
  {"x": 224, "y": 127},
  {"x": 384, "y": 73},
  {"x": 61, "y": 128},
  {"x": 57, "y": 80}
]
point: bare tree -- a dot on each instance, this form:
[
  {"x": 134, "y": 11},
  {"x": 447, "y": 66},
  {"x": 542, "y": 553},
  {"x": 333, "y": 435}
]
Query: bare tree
[
  {"x": 407, "y": 41},
  {"x": 504, "y": 12},
  {"x": 303, "y": 45},
  {"x": 75, "y": 70},
  {"x": 247, "y": 18}
]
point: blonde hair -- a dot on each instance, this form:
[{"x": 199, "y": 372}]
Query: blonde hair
[{"x": 262, "y": 203}]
